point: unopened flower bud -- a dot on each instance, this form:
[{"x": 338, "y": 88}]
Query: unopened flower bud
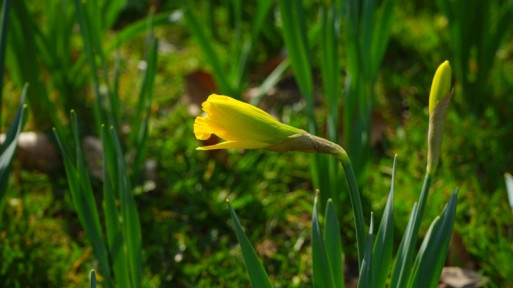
[
  {"x": 244, "y": 126},
  {"x": 441, "y": 85},
  {"x": 439, "y": 100}
]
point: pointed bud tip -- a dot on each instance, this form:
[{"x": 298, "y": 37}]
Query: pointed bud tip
[{"x": 441, "y": 85}]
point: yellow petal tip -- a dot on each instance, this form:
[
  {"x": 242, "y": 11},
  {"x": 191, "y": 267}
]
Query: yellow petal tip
[{"x": 441, "y": 85}]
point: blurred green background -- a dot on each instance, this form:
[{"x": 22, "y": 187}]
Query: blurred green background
[{"x": 142, "y": 68}]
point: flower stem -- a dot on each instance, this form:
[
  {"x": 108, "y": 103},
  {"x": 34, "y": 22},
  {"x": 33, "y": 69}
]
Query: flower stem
[{"x": 356, "y": 205}]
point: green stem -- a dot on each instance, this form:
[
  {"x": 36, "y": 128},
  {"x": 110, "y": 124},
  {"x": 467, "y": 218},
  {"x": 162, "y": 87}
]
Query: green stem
[{"x": 356, "y": 203}]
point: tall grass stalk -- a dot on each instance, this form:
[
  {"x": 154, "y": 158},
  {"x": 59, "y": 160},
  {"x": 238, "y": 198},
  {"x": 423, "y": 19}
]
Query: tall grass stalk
[
  {"x": 122, "y": 224},
  {"x": 4, "y": 23},
  {"x": 8, "y": 147},
  {"x": 367, "y": 30},
  {"x": 121, "y": 253},
  {"x": 365, "y": 49},
  {"x": 139, "y": 131},
  {"x": 298, "y": 45},
  {"x": 256, "y": 272},
  {"x": 83, "y": 197},
  {"x": 89, "y": 27},
  {"x": 24, "y": 65},
  {"x": 34, "y": 49},
  {"x": 106, "y": 104}
]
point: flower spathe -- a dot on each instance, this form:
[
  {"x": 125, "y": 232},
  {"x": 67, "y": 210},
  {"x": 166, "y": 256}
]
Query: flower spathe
[{"x": 244, "y": 126}]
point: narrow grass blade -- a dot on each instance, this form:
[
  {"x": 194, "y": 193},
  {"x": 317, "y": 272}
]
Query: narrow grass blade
[
  {"x": 111, "y": 11},
  {"x": 115, "y": 103},
  {"x": 243, "y": 48},
  {"x": 382, "y": 253},
  {"x": 381, "y": 33},
  {"x": 330, "y": 72},
  {"x": 492, "y": 39},
  {"x": 322, "y": 272},
  {"x": 355, "y": 94},
  {"x": 365, "y": 279},
  {"x": 134, "y": 29},
  {"x": 128, "y": 33},
  {"x": 262, "y": 11},
  {"x": 333, "y": 244},
  {"x": 92, "y": 279},
  {"x": 83, "y": 198},
  {"x": 367, "y": 24},
  {"x": 8, "y": 148},
  {"x": 6, "y": 6},
  {"x": 139, "y": 135},
  {"x": 238, "y": 65},
  {"x": 115, "y": 240},
  {"x": 147, "y": 79},
  {"x": 271, "y": 81},
  {"x": 89, "y": 47},
  {"x": 400, "y": 258},
  {"x": 367, "y": 30},
  {"x": 256, "y": 271},
  {"x": 329, "y": 67},
  {"x": 24, "y": 65},
  {"x": 130, "y": 215},
  {"x": 356, "y": 206},
  {"x": 238, "y": 60},
  {"x": 92, "y": 27},
  {"x": 54, "y": 41},
  {"x": 352, "y": 36},
  {"x": 509, "y": 189},
  {"x": 409, "y": 241},
  {"x": 205, "y": 44},
  {"x": 296, "y": 42},
  {"x": 94, "y": 21},
  {"x": 433, "y": 251}
]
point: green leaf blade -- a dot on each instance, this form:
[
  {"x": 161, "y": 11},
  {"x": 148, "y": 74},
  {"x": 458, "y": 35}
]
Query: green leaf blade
[
  {"x": 115, "y": 239},
  {"x": 293, "y": 24},
  {"x": 130, "y": 215},
  {"x": 333, "y": 244},
  {"x": 365, "y": 279},
  {"x": 210, "y": 55},
  {"x": 400, "y": 259},
  {"x": 322, "y": 272},
  {"x": 430, "y": 260},
  {"x": 8, "y": 148},
  {"x": 382, "y": 253},
  {"x": 83, "y": 197},
  {"x": 256, "y": 271}
]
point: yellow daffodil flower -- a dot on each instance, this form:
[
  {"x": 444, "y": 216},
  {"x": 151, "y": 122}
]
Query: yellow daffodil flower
[
  {"x": 244, "y": 126},
  {"x": 439, "y": 99}
]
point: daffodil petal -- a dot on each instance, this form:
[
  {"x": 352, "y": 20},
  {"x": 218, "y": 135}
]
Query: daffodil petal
[
  {"x": 234, "y": 120},
  {"x": 229, "y": 101},
  {"x": 202, "y": 130},
  {"x": 235, "y": 145}
]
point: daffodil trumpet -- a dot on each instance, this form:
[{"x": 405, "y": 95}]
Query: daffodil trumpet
[{"x": 244, "y": 126}]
